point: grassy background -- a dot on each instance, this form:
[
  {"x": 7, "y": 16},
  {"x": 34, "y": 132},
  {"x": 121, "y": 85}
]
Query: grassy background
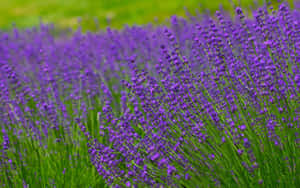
[{"x": 65, "y": 13}]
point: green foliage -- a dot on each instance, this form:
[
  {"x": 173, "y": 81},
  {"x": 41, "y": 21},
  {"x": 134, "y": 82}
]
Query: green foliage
[
  {"x": 115, "y": 13},
  {"x": 59, "y": 160}
]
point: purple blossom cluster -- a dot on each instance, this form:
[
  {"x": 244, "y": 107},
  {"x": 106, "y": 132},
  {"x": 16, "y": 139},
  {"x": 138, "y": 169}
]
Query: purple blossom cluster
[
  {"x": 169, "y": 115},
  {"x": 173, "y": 99}
]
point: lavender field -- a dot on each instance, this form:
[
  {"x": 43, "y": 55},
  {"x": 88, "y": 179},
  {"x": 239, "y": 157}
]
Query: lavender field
[{"x": 209, "y": 101}]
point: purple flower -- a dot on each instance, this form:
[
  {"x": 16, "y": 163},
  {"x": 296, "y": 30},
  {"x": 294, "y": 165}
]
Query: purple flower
[
  {"x": 128, "y": 184},
  {"x": 163, "y": 98},
  {"x": 242, "y": 127},
  {"x": 240, "y": 151},
  {"x": 246, "y": 143},
  {"x": 171, "y": 169},
  {"x": 211, "y": 156},
  {"x": 155, "y": 156}
]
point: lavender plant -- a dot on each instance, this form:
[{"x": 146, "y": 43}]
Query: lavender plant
[{"x": 206, "y": 102}]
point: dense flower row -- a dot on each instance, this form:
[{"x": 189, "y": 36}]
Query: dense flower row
[{"x": 204, "y": 101}]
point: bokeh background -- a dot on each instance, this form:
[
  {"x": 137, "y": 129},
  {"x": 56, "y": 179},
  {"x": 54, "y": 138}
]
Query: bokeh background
[{"x": 97, "y": 14}]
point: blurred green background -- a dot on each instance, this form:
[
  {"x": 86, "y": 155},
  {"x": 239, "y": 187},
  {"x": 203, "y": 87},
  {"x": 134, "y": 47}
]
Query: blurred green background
[{"x": 115, "y": 13}]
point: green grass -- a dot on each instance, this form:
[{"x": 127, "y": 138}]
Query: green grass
[
  {"x": 28, "y": 13},
  {"x": 66, "y": 163},
  {"x": 61, "y": 160}
]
